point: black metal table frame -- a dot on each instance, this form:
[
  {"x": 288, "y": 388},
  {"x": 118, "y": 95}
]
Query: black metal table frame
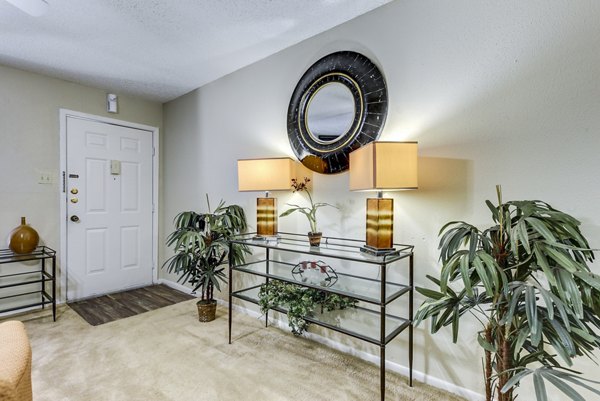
[
  {"x": 403, "y": 251},
  {"x": 41, "y": 253}
]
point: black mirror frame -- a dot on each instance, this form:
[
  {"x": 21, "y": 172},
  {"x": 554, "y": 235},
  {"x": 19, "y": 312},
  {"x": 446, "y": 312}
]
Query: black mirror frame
[{"x": 368, "y": 88}]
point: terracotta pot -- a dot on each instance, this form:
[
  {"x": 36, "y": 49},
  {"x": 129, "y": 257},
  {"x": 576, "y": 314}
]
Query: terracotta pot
[
  {"x": 23, "y": 239},
  {"x": 315, "y": 238},
  {"x": 206, "y": 310}
]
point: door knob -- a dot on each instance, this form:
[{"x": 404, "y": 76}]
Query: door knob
[{"x": 74, "y": 218}]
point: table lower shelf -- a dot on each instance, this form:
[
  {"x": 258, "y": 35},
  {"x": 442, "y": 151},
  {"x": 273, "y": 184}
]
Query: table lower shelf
[
  {"x": 46, "y": 300},
  {"x": 29, "y": 278},
  {"x": 357, "y": 322}
]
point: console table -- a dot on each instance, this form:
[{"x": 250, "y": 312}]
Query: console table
[
  {"x": 277, "y": 259},
  {"x": 30, "y": 275}
]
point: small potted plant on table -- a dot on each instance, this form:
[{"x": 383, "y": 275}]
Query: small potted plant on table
[
  {"x": 201, "y": 246},
  {"x": 314, "y": 236}
]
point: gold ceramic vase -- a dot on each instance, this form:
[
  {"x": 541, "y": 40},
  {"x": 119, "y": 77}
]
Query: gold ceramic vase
[{"x": 23, "y": 239}]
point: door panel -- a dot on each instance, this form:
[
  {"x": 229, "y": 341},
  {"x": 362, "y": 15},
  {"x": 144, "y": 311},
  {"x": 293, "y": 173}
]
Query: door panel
[
  {"x": 96, "y": 186},
  {"x": 130, "y": 187},
  {"x": 96, "y": 247},
  {"x": 130, "y": 247},
  {"x": 109, "y": 248}
]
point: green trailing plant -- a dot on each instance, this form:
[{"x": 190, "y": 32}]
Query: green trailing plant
[
  {"x": 300, "y": 302},
  {"x": 201, "y": 246},
  {"x": 527, "y": 281},
  {"x": 309, "y": 212}
]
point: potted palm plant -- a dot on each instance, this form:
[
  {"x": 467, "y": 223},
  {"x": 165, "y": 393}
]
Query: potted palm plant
[
  {"x": 201, "y": 246},
  {"x": 527, "y": 281},
  {"x": 314, "y": 236}
]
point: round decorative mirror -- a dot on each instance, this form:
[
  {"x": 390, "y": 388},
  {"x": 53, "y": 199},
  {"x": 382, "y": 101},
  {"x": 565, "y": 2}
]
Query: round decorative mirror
[
  {"x": 330, "y": 113},
  {"x": 339, "y": 105}
]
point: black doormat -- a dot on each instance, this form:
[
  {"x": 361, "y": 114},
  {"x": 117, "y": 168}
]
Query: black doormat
[{"x": 119, "y": 305}]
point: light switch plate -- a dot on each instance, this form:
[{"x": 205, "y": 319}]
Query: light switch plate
[{"x": 46, "y": 177}]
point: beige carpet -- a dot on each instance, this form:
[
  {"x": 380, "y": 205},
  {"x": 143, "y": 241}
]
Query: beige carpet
[{"x": 167, "y": 354}]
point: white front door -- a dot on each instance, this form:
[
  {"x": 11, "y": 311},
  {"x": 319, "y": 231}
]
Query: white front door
[{"x": 109, "y": 207}]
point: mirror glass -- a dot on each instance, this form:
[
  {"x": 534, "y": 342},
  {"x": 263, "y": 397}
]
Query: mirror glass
[{"x": 330, "y": 113}]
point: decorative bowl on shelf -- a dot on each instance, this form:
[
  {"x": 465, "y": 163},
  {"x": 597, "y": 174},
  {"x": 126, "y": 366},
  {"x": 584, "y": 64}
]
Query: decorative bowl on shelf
[{"x": 315, "y": 272}]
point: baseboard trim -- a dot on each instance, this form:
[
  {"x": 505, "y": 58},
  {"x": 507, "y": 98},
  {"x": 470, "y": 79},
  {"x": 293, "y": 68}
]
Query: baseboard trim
[
  {"x": 392, "y": 366},
  {"x": 175, "y": 286}
]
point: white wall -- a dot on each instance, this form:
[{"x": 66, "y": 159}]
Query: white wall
[
  {"x": 29, "y": 143},
  {"x": 495, "y": 92}
]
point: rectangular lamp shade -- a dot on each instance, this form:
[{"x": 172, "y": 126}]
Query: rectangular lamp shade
[
  {"x": 384, "y": 166},
  {"x": 265, "y": 174}
]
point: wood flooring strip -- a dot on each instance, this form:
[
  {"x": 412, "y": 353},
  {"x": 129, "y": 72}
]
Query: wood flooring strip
[
  {"x": 111, "y": 308},
  {"x": 92, "y": 312},
  {"x": 148, "y": 300},
  {"x": 125, "y": 299},
  {"x": 168, "y": 293},
  {"x": 119, "y": 305}
]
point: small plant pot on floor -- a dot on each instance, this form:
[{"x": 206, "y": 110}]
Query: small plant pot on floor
[{"x": 206, "y": 310}]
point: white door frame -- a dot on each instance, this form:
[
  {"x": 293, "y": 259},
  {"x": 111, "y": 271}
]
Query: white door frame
[{"x": 64, "y": 113}]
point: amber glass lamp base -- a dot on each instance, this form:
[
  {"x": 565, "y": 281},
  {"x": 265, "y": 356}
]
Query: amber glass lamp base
[
  {"x": 266, "y": 217},
  {"x": 380, "y": 226}
]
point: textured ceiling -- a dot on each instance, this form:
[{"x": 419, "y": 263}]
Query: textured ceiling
[{"x": 161, "y": 49}]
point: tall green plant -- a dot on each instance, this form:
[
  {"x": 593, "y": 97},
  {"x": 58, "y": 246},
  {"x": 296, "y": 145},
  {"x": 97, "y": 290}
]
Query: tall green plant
[
  {"x": 201, "y": 246},
  {"x": 527, "y": 281}
]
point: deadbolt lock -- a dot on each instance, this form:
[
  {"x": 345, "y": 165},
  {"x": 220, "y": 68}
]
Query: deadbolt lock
[
  {"x": 74, "y": 218},
  {"x": 74, "y": 200},
  {"x": 74, "y": 191}
]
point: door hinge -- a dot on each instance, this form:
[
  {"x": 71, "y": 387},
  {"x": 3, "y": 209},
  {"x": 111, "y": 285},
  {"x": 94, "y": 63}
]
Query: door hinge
[
  {"x": 64, "y": 182},
  {"x": 153, "y": 151}
]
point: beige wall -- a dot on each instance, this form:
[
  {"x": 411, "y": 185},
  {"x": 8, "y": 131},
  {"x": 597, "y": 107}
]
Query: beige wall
[
  {"x": 29, "y": 142},
  {"x": 494, "y": 92}
]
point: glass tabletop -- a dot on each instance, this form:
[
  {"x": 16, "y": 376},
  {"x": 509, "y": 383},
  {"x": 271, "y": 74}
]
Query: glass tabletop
[
  {"x": 41, "y": 252},
  {"x": 341, "y": 248}
]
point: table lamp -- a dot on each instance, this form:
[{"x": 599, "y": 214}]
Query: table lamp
[
  {"x": 274, "y": 174},
  {"x": 381, "y": 166}
]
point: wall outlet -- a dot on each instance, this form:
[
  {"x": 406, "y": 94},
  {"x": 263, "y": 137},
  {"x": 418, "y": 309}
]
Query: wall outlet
[{"x": 46, "y": 177}]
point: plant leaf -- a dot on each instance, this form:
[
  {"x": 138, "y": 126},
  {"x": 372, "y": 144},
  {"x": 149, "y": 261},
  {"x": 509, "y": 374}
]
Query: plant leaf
[
  {"x": 562, "y": 386},
  {"x": 464, "y": 272},
  {"x": 531, "y": 311},
  {"x": 540, "y": 388},
  {"x": 485, "y": 345}
]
